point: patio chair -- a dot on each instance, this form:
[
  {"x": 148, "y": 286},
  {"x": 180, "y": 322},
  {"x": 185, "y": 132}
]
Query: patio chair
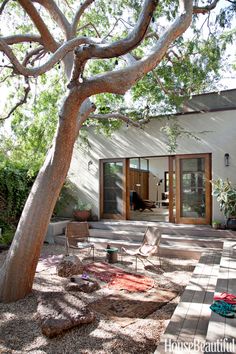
[
  {"x": 149, "y": 247},
  {"x": 77, "y": 237}
]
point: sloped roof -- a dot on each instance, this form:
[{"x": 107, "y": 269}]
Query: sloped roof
[{"x": 213, "y": 101}]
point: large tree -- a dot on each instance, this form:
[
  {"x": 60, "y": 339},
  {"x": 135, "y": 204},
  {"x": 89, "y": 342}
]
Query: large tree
[{"x": 22, "y": 55}]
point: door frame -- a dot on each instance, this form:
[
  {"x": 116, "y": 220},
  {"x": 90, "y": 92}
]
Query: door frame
[{"x": 208, "y": 175}]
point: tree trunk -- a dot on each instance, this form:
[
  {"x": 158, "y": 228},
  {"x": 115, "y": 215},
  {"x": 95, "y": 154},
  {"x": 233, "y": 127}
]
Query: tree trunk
[{"x": 17, "y": 273}]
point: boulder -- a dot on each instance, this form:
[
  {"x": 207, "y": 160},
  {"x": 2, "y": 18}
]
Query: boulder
[
  {"x": 69, "y": 265},
  {"x": 79, "y": 284},
  {"x": 60, "y": 311}
]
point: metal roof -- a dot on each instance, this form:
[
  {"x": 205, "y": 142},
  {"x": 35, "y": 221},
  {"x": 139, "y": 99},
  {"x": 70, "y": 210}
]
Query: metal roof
[{"x": 213, "y": 101}]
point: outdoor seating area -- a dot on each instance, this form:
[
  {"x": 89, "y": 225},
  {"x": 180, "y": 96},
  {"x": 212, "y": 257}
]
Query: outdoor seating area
[{"x": 169, "y": 298}]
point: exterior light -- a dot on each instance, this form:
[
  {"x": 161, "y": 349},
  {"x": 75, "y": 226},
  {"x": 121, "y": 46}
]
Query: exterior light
[
  {"x": 226, "y": 159},
  {"x": 89, "y": 164}
]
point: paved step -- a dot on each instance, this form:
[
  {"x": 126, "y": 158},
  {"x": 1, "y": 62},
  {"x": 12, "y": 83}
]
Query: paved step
[
  {"x": 168, "y": 248},
  {"x": 134, "y": 236},
  {"x": 171, "y": 229}
]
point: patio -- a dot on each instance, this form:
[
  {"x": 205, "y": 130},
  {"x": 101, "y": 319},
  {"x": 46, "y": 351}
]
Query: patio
[{"x": 179, "y": 318}]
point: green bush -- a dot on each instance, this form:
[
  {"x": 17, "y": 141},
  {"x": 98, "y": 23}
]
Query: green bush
[
  {"x": 15, "y": 185},
  {"x": 7, "y": 233}
]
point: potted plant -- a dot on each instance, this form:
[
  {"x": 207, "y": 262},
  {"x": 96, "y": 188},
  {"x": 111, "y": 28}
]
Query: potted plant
[
  {"x": 216, "y": 224},
  {"x": 82, "y": 211},
  {"x": 225, "y": 193}
]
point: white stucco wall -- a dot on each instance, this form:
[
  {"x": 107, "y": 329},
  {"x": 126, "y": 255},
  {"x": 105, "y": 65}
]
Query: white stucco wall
[{"x": 133, "y": 142}]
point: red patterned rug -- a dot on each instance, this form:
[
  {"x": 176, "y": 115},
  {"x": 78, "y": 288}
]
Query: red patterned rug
[{"x": 118, "y": 279}]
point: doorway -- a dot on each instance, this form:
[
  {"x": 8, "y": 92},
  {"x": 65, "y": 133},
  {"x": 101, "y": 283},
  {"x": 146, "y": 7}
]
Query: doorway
[{"x": 178, "y": 185}]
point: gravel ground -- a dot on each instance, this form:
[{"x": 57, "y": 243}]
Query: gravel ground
[{"x": 20, "y": 330}]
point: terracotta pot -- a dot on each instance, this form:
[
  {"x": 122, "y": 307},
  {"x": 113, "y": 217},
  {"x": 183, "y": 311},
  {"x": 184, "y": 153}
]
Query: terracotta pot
[{"x": 82, "y": 215}]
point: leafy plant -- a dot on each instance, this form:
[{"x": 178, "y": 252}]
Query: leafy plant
[
  {"x": 7, "y": 235},
  {"x": 80, "y": 205},
  {"x": 225, "y": 194},
  {"x": 15, "y": 185}
]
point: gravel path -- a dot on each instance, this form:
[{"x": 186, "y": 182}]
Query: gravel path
[{"x": 20, "y": 331}]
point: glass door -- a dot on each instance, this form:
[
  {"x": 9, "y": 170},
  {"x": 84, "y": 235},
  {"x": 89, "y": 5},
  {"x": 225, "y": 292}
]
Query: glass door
[
  {"x": 113, "y": 189},
  {"x": 193, "y": 190}
]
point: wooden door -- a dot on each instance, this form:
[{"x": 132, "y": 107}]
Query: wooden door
[{"x": 193, "y": 189}]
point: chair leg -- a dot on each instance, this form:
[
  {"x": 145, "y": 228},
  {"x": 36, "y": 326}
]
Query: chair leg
[
  {"x": 67, "y": 248},
  {"x": 136, "y": 265}
]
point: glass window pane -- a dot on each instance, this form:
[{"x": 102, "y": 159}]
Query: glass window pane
[
  {"x": 134, "y": 163},
  {"x": 192, "y": 180},
  {"x": 144, "y": 164},
  {"x": 113, "y": 188}
]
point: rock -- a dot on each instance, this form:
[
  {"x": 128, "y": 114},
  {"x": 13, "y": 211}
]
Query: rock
[
  {"x": 59, "y": 312},
  {"x": 69, "y": 265},
  {"x": 78, "y": 284}
]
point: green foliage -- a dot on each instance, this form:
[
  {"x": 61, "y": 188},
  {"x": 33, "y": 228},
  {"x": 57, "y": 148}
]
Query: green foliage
[
  {"x": 32, "y": 131},
  {"x": 7, "y": 233},
  {"x": 15, "y": 185},
  {"x": 225, "y": 193},
  {"x": 80, "y": 205},
  {"x": 66, "y": 198},
  {"x": 174, "y": 131},
  {"x": 181, "y": 75}
]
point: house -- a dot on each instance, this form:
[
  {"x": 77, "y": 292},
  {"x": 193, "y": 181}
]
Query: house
[{"x": 137, "y": 160}]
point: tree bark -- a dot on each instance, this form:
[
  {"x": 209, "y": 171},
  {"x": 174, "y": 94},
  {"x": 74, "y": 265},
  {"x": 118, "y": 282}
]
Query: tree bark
[{"x": 17, "y": 273}]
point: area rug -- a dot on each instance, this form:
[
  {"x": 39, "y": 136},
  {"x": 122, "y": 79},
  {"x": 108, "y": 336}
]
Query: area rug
[
  {"x": 118, "y": 279},
  {"x": 49, "y": 263},
  {"x": 128, "y": 308}
]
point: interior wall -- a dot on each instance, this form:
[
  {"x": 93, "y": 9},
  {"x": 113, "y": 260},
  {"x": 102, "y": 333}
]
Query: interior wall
[{"x": 157, "y": 167}]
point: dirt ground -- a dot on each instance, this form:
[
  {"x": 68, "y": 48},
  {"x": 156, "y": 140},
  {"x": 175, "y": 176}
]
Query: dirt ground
[{"x": 20, "y": 330}]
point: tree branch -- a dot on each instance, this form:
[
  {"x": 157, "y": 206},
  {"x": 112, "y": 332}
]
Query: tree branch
[
  {"x": 121, "y": 80},
  {"x": 48, "y": 40},
  {"x": 33, "y": 53},
  {"x": 120, "y": 116},
  {"x": 21, "y": 101},
  {"x": 205, "y": 9},
  {"x": 57, "y": 56},
  {"x": 117, "y": 48},
  {"x": 20, "y": 38},
  {"x": 90, "y": 24},
  {"x": 114, "y": 26},
  {"x": 78, "y": 15},
  {"x": 5, "y": 78},
  {"x": 57, "y": 15},
  {"x": 160, "y": 83},
  {"x": 3, "y": 6}
]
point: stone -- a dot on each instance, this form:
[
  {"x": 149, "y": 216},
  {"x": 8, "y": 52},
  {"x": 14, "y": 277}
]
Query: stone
[
  {"x": 79, "y": 284},
  {"x": 58, "y": 312},
  {"x": 69, "y": 265}
]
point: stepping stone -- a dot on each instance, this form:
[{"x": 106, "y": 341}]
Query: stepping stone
[
  {"x": 60, "y": 311},
  {"x": 69, "y": 265}
]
